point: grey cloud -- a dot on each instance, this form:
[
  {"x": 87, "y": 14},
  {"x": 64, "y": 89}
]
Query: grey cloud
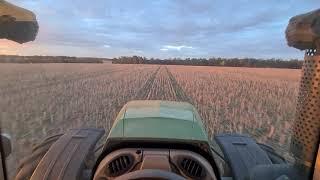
[{"x": 248, "y": 27}]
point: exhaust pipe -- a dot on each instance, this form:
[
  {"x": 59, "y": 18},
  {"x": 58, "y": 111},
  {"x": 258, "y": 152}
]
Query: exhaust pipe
[
  {"x": 306, "y": 129},
  {"x": 303, "y": 32}
]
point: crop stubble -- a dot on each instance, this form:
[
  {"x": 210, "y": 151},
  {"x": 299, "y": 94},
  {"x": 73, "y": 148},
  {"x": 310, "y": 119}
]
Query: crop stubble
[{"x": 38, "y": 100}]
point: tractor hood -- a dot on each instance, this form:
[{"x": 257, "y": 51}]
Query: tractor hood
[{"x": 158, "y": 120}]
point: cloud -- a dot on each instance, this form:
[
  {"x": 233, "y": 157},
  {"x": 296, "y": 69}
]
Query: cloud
[
  {"x": 177, "y": 48},
  {"x": 137, "y": 51},
  {"x": 93, "y": 22},
  {"x": 180, "y": 28},
  {"x": 106, "y": 46}
]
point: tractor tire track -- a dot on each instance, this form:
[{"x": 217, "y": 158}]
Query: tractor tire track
[
  {"x": 180, "y": 94},
  {"x": 173, "y": 89},
  {"x": 144, "y": 91}
]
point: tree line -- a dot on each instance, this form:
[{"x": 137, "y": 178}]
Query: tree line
[
  {"x": 49, "y": 59},
  {"x": 227, "y": 62}
]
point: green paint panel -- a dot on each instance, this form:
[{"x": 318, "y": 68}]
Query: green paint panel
[{"x": 159, "y": 120}]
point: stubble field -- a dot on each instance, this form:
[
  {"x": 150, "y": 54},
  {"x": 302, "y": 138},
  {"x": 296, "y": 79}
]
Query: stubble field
[{"x": 38, "y": 100}]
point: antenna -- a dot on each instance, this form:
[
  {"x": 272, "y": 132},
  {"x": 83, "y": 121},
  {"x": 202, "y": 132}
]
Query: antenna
[{"x": 123, "y": 120}]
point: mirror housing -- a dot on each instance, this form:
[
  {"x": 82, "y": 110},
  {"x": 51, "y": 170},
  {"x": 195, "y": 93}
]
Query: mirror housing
[{"x": 17, "y": 24}]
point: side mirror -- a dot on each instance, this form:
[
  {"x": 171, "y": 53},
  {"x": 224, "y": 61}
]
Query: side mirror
[
  {"x": 17, "y": 24},
  {"x": 6, "y": 144}
]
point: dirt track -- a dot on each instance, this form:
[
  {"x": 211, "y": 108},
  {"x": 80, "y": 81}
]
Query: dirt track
[{"x": 162, "y": 85}]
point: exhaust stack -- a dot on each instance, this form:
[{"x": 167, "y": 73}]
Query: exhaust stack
[{"x": 303, "y": 32}]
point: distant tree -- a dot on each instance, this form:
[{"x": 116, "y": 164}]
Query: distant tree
[{"x": 232, "y": 62}]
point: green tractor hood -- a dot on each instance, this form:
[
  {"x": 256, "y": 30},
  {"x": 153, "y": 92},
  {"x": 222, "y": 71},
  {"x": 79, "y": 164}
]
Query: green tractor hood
[{"x": 158, "y": 120}]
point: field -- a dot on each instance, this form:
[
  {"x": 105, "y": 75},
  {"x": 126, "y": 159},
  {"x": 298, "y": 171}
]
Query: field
[{"x": 38, "y": 100}]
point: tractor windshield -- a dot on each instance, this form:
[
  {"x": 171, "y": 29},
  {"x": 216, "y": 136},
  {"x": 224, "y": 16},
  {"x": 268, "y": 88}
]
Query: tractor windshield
[{"x": 75, "y": 64}]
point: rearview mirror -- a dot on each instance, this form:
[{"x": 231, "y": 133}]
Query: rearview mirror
[{"x": 6, "y": 144}]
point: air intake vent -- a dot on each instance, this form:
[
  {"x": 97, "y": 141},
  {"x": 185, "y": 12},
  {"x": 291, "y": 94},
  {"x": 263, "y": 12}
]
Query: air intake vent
[
  {"x": 120, "y": 165},
  {"x": 192, "y": 168}
]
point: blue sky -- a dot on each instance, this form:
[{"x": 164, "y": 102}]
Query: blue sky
[{"x": 162, "y": 28}]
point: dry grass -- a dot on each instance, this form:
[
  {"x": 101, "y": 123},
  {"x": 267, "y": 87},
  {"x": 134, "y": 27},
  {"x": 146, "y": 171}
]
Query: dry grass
[{"x": 42, "y": 99}]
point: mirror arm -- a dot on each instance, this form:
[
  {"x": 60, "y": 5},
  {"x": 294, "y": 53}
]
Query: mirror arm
[{"x": 3, "y": 159}]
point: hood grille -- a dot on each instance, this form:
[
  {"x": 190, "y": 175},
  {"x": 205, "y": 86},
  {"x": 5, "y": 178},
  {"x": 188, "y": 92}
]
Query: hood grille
[
  {"x": 120, "y": 165},
  {"x": 191, "y": 168}
]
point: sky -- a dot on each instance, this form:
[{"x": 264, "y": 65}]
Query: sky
[{"x": 161, "y": 28}]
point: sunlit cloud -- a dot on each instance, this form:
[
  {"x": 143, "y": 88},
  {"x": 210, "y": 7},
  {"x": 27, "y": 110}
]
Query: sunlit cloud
[
  {"x": 9, "y": 47},
  {"x": 137, "y": 51},
  {"x": 103, "y": 34},
  {"x": 93, "y": 21},
  {"x": 177, "y": 48},
  {"x": 106, "y": 46},
  {"x": 164, "y": 49}
]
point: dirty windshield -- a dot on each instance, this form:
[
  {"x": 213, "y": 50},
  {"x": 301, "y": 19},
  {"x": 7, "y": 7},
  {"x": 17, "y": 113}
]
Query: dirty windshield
[{"x": 84, "y": 60}]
